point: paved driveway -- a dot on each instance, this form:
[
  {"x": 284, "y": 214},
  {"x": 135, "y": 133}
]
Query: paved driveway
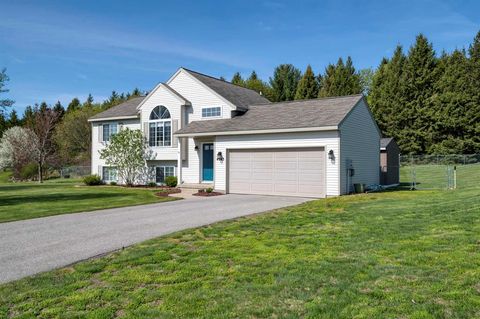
[{"x": 36, "y": 245}]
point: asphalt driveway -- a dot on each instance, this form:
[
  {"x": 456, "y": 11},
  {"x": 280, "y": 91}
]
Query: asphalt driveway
[{"x": 36, "y": 245}]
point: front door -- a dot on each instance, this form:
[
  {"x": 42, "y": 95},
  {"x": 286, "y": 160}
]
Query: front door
[{"x": 207, "y": 162}]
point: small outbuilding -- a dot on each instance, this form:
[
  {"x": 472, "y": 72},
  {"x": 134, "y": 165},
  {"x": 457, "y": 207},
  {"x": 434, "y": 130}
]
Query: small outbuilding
[{"x": 389, "y": 161}]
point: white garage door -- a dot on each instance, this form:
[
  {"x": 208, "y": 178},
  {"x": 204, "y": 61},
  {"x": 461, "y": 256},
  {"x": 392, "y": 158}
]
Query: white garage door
[{"x": 291, "y": 172}]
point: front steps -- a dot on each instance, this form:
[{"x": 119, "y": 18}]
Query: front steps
[{"x": 195, "y": 186}]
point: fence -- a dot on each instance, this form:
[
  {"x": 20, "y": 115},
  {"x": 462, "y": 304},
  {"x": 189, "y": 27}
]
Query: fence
[
  {"x": 75, "y": 171},
  {"x": 439, "y": 171}
]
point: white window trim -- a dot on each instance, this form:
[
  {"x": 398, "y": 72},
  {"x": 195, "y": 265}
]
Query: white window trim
[
  {"x": 164, "y": 166},
  {"x": 158, "y": 121},
  {"x": 110, "y": 135},
  {"x": 103, "y": 174},
  {"x": 212, "y": 117}
]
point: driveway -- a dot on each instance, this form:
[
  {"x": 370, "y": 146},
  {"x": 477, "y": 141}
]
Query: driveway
[{"x": 36, "y": 245}]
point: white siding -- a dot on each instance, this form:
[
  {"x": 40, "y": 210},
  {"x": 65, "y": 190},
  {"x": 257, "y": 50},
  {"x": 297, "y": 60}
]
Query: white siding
[
  {"x": 163, "y": 97},
  {"x": 133, "y": 124},
  {"x": 360, "y": 144},
  {"x": 328, "y": 140}
]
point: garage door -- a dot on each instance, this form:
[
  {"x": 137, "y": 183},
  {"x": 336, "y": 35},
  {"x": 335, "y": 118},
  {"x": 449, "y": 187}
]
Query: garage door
[{"x": 292, "y": 172}]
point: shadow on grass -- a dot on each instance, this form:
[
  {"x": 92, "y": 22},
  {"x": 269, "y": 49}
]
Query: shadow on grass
[
  {"x": 16, "y": 200},
  {"x": 24, "y": 187}
]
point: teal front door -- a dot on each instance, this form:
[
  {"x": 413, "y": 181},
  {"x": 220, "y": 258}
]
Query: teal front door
[{"x": 207, "y": 162}]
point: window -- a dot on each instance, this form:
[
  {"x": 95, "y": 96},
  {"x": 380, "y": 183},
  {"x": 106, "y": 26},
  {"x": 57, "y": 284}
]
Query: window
[
  {"x": 109, "y": 174},
  {"x": 212, "y": 111},
  {"x": 160, "y": 127},
  {"x": 108, "y": 131},
  {"x": 163, "y": 171}
]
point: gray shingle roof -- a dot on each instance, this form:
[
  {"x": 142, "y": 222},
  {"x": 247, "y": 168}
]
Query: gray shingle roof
[
  {"x": 237, "y": 95},
  {"x": 283, "y": 115},
  {"x": 385, "y": 141},
  {"x": 127, "y": 108}
]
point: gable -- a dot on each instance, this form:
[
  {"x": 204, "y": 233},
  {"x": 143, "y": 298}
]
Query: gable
[{"x": 360, "y": 117}]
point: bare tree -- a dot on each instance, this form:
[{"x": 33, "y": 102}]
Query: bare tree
[{"x": 43, "y": 126}]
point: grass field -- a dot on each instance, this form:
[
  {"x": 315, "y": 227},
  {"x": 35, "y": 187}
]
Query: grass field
[
  {"x": 399, "y": 254},
  {"x": 61, "y": 196},
  {"x": 436, "y": 176}
]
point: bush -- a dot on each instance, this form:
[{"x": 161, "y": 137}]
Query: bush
[
  {"x": 92, "y": 180},
  {"x": 171, "y": 181},
  {"x": 152, "y": 184},
  {"x": 209, "y": 190},
  {"x": 29, "y": 171},
  {"x": 66, "y": 176},
  {"x": 113, "y": 183}
]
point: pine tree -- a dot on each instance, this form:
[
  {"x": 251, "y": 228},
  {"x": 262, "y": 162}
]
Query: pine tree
[
  {"x": 237, "y": 79},
  {"x": 28, "y": 116},
  {"x": 73, "y": 105},
  {"x": 308, "y": 86},
  {"x": 4, "y": 103},
  {"x": 88, "y": 101},
  {"x": 136, "y": 92},
  {"x": 284, "y": 82},
  {"x": 419, "y": 79},
  {"x": 3, "y": 123},
  {"x": 58, "y": 108},
  {"x": 13, "y": 119},
  {"x": 340, "y": 79},
  {"x": 255, "y": 83},
  {"x": 472, "y": 114}
]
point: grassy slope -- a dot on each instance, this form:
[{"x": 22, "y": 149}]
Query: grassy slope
[
  {"x": 397, "y": 254},
  {"x": 30, "y": 200}
]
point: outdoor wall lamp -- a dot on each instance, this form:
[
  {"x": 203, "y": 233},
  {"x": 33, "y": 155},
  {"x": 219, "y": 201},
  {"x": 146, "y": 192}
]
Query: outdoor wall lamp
[
  {"x": 331, "y": 156},
  {"x": 220, "y": 157},
  {"x": 196, "y": 148}
]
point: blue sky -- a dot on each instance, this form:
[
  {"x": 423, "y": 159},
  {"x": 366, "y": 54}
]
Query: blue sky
[{"x": 57, "y": 50}]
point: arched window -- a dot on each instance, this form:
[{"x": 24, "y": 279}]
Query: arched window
[
  {"x": 160, "y": 113},
  {"x": 160, "y": 127}
]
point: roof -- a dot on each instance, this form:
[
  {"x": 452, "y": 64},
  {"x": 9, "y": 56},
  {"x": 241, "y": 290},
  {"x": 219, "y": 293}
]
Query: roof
[
  {"x": 125, "y": 110},
  {"x": 168, "y": 87},
  {"x": 317, "y": 113},
  {"x": 237, "y": 95},
  {"x": 384, "y": 142}
]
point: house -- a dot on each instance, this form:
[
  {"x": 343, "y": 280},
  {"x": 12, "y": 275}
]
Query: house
[
  {"x": 211, "y": 133},
  {"x": 389, "y": 161}
]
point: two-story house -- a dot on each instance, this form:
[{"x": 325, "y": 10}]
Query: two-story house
[{"x": 210, "y": 132}]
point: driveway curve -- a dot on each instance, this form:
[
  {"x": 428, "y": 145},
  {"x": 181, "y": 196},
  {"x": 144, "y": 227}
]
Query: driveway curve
[{"x": 32, "y": 246}]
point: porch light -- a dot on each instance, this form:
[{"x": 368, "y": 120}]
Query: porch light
[
  {"x": 331, "y": 156},
  {"x": 220, "y": 157},
  {"x": 196, "y": 148}
]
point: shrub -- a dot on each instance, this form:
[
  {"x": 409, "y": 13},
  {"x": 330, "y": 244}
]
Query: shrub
[
  {"x": 171, "y": 181},
  {"x": 209, "y": 190},
  {"x": 66, "y": 176},
  {"x": 29, "y": 171},
  {"x": 113, "y": 183},
  {"x": 92, "y": 180},
  {"x": 152, "y": 184}
]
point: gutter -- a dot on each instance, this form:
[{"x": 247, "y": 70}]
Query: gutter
[
  {"x": 250, "y": 132},
  {"x": 113, "y": 118}
]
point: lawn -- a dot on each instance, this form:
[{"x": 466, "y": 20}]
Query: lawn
[
  {"x": 398, "y": 254},
  {"x": 62, "y": 196}
]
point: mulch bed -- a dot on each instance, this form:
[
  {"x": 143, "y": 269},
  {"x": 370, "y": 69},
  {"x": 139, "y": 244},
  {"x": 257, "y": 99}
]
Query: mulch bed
[
  {"x": 205, "y": 194},
  {"x": 168, "y": 190}
]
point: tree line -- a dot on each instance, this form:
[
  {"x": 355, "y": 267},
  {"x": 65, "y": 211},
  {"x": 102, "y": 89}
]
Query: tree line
[{"x": 428, "y": 102}]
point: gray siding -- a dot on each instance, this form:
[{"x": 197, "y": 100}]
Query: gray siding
[{"x": 360, "y": 146}]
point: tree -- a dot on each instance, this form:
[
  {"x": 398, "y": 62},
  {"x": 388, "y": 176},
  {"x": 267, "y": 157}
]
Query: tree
[
  {"x": 28, "y": 116},
  {"x": 13, "y": 119},
  {"x": 3, "y": 123},
  {"x": 308, "y": 86},
  {"x": 284, "y": 82},
  {"x": 17, "y": 149},
  {"x": 73, "y": 136},
  {"x": 366, "y": 79},
  {"x": 4, "y": 103},
  {"x": 255, "y": 83},
  {"x": 237, "y": 79},
  {"x": 472, "y": 114},
  {"x": 89, "y": 101},
  {"x": 340, "y": 79},
  {"x": 43, "y": 127},
  {"x": 58, "y": 107},
  {"x": 73, "y": 105},
  {"x": 128, "y": 152}
]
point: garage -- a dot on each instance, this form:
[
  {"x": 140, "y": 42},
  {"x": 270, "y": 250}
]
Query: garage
[{"x": 289, "y": 172}]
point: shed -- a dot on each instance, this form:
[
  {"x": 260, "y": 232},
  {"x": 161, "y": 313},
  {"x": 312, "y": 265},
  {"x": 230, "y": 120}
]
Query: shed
[{"x": 389, "y": 161}]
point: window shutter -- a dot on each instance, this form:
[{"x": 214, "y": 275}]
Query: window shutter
[
  {"x": 145, "y": 131},
  {"x": 185, "y": 149},
  {"x": 174, "y": 129},
  {"x": 100, "y": 171},
  {"x": 100, "y": 133}
]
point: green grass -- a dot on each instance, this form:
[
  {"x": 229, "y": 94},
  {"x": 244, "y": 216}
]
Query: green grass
[
  {"x": 399, "y": 254},
  {"x": 62, "y": 196},
  {"x": 436, "y": 177},
  {"x": 4, "y": 176}
]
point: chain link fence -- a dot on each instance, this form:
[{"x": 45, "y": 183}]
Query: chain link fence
[
  {"x": 439, "y": 171},
  {"x": 75, "y": 171}
]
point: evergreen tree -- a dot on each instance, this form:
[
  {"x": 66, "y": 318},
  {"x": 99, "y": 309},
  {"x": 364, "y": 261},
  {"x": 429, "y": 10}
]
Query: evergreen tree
[
  {"x": 4, "y": 103},
  {"x": 13, "y": 119},
  {"x": 59, "y": 109},
  {"x": 3, "y": 123},
  {"x": 472, "y": 114},
  {"x": 284, "y": 82},
  {"x": 340, "y": 79},
  {"x": 88, "y": 101},
  {"x": 308, "y": 86},
  {"x": 73, "y": 105},
  {"x": 237, "y": 79},
  {"x": 256, "y": 84},
  {"x": 136, "y": 92},
  {"x": 28, "y": 116},
  {"x": 419, "y": 78}
]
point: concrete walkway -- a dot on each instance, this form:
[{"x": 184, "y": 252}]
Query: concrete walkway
[{"x": 36, "y": 245}]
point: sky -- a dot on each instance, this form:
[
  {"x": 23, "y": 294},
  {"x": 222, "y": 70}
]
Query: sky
[{"x": 58, "y": 50}]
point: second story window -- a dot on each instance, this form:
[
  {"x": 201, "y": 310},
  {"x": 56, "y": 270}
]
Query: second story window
[
  {"x": 212, "y": 111},
  {"x": 108, "y": 131},
  {"x": 160, "y": 127}
]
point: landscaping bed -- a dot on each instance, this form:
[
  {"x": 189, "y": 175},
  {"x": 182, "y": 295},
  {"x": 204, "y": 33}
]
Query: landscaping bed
[
  {"x": 165, "y": 191},
  {"x": 207, "y": 193}
]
